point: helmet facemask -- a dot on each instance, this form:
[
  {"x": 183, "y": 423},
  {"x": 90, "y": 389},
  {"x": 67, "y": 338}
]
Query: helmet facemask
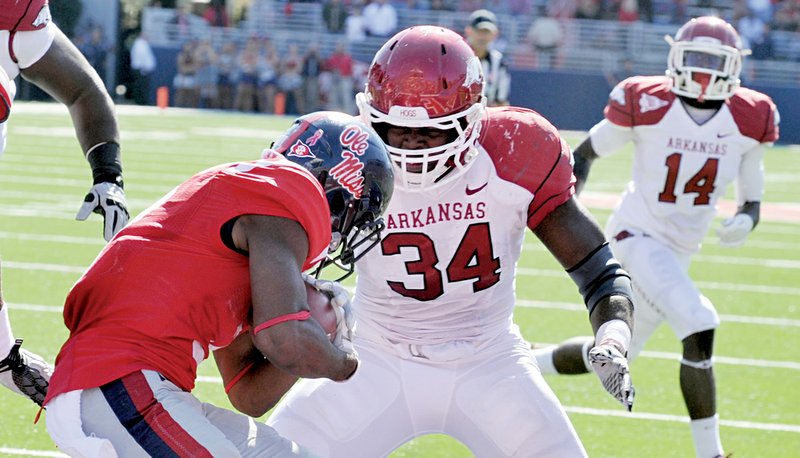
[
  {"x": 428, "y": 168},
  {"x": 690, "y": 62},
  {"x": 354, "y": 223}
]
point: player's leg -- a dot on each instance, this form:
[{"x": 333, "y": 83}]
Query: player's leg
[
  {"x": 21, "y": 371},
  {"x": 142, "y": 414},
  {"x": 502, "y": 406},
  {"x": 700, "y": 393},
  {"x": 366, "y": 416},
  {"x": 660, "y": 277}
]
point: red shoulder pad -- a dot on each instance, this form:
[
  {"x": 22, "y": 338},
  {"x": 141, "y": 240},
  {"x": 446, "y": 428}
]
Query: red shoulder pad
[
  {"x": 755, "y": 114},
  {"x": 639, "y": 101},
  {"x": 527, "y": 150}
]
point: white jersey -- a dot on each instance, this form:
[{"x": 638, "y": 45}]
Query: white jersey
[
  {"x": 680, "y": 167},
  {"x": 444, "y": 270}
]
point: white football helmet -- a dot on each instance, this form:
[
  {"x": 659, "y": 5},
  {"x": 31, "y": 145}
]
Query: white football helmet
[
  {"x": 705, "y": 59},
  {"x": 426, "y": 77}
]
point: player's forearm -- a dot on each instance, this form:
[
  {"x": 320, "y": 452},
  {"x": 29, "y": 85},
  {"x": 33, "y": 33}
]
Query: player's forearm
[
  {"x": 615, "y": 307},
  {"x": 302, "y": 349},
  {"x": 260, "y": 387},
  {"x": 584, "y": 156}
]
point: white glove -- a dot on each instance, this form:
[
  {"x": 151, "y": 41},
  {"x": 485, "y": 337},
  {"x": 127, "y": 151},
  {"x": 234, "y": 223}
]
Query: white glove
[
  {"x": 106, "y": 199},
  {"x": 612, "y": 369},
  {"x": 340, "y": 300},
  {"x": 734, "y": 230}
]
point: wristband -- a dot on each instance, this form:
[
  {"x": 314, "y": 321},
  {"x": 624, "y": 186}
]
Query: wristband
[
  {"x": 238, "y": 377},
  {"x": 297, "y": 316},
  {"x": 615, "y": 332},
  {"x": 106, "y": 162}
]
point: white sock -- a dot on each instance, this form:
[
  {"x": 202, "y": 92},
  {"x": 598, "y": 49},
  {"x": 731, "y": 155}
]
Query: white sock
[
  {"x": 544, "y": 358},
  {"x": 6, "y": 336},
  {"x": 705, "y": 432}
]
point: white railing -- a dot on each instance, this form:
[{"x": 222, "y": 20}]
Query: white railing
[{"x": 589, "y": 46}]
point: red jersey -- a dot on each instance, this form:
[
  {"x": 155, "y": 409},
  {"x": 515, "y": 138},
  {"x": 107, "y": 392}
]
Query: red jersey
[
  {"x": 24, "y": 15},
  {"x": 167, "y": 289}
]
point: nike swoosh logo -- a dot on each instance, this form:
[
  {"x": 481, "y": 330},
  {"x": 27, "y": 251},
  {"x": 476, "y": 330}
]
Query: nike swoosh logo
[
  {"x": 724, "y": 135},
  {"x": 473, "y": 191}
]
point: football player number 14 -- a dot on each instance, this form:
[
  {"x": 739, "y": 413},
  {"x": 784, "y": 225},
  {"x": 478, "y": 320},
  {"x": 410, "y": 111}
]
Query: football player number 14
[
  {"x": 701, "y": 182},
  {"x": 473, "y": 260}
]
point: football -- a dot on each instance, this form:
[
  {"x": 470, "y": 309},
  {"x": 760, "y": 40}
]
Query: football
[{"x": 321, "y": 309}]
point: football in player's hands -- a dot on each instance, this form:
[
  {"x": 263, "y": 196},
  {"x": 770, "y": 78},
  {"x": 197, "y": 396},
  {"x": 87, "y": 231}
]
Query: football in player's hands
[{"x": 321, "y": 309}]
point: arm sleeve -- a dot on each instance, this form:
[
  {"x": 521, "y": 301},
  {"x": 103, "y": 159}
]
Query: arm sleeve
[
  {"x": 750, "y": 183},
  {"x": 607, "y": 137}
]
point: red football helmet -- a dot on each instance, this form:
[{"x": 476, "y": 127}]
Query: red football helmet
[
  {"x": 705, "y": 59},
  {"x": 426, "y": 77}
]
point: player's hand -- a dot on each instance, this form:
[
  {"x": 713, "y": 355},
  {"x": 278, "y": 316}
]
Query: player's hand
[
  {"x": 107, "y": 199},
  {"x": 734, "y": 231},
  {"x": 612, "y": 369},
  {"x": 340, "y": 300}
]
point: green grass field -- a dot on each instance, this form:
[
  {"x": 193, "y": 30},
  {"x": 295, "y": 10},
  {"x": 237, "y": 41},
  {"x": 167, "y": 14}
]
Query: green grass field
[{"x": 756, "y": 288}]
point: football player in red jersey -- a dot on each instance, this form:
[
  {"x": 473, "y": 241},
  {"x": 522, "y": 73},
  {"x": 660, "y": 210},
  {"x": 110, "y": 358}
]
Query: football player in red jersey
[
  {"x": 695, "y": 131},
  {"x": 434, "y": 304},
  {"x": 32, "y": 45},
  {"x": 217, "y": 266}
]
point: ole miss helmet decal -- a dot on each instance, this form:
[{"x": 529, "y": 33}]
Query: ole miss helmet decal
[
  {"x": 300, "y": 149},
  {"x": 350, "y": 172}
]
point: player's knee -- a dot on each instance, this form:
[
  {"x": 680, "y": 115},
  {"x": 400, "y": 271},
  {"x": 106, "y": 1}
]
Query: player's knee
[
  {"x": 699, "y": 347},
  {"x": 572, "y": 356}
]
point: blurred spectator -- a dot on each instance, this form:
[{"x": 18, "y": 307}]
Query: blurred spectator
[
  {"x": 763, "y": 48},
  {"x": 646, "y": 10},
  {"x": 215, "y": 14},
  {"x": 187, "y": 94},
  {"x": 268, "y": 68},
  {"x": 440, "y": 5},
  {"x": 96, "y": 50},
  {"x": 469, "y": 5},
  {"x": 334, "y": 13},
  {"x": 562, "y": 9},
  {"x": 340, "y": 64},
  {"x": 207, "y": 74},
  {"x": 680, "y": 11},
  {"x": 628, "y": 11},
  {"x": 787, "y": 16},
  {"x": 480, "y": 32},
  {"x": 520, "y": 7},
  {"x": 143, "y": 63},
  {"x": 227, "y": 75},
  {"x": 380, "y": 18},
  {"x": 751, "y": 29},
  {"x": 761, "y": 9},
  {"x": 290, "y": 81},
  {"x": 247, "y": 87},
  {"x": 546, "y": 36},
  {"x": 355, "y": 30},
  {"x": 181, "y": 22},
  {"x": 588, "y": 9},
  {"x": 312, "y": 68}
]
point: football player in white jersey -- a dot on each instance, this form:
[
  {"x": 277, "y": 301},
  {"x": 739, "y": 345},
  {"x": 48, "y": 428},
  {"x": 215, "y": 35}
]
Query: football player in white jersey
[
  {"x": 695, "y": 131},
  {"x": 434, "y": 301},
  {"x": 32, "y": 45}
]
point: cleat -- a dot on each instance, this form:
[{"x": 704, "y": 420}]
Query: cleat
[{"x": 25, "y": 373}]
